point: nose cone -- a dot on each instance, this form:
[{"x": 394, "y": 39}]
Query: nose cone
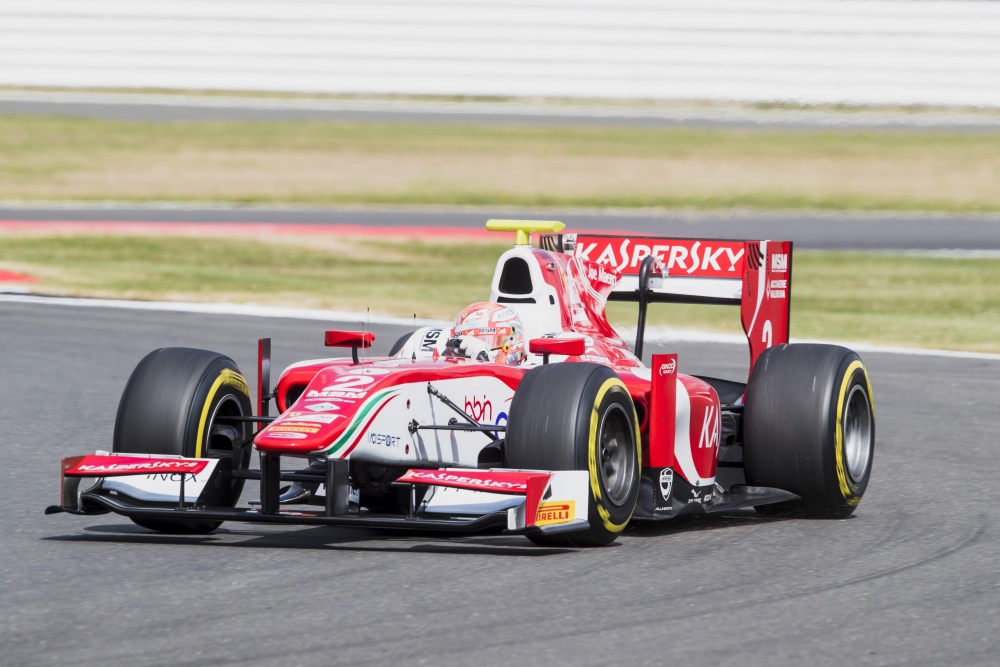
[{"x": 329, "y": 416}]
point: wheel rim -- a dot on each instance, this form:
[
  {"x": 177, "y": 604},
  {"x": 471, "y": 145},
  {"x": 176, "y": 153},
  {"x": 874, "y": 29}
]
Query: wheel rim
[
  {"x": 616, "y": 455},
  {"x": 857, "y": 428}
]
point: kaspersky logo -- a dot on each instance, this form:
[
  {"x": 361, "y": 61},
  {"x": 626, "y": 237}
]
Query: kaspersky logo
[
  {"x": 714, "y": 259},
  {"x": 141, "y": 467}
]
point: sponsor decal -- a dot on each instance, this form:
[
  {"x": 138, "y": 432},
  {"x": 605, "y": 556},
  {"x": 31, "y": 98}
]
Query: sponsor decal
[
  {"x": 346, "y": 386},
  {"x": 709, "y": 430},
  {"x": 550, "y": 513},
  {"x": 173, "y": 477},
  {"x": 703, "y": 500},
  {"x": 480, "y": 410},
  {"x": 314, "y": 395},
  {"x": 601, "y": 275},
  {"x": 286, "y": 436},
  {"x": 666, "y": 483},
  {"x": 384, "y": 439},
  {"x": 695, "y": 258},
  {"x": 485, "y": 483},
  {"x": 312, "y": 419},
  {"x": 130, "y": 465},
  {"x": 779, "y": 262},
  {"x": 283, "y": 428},
  {"x": 668, "y": 368},
  {"x": 322, "y": 407},
  {"x": 430, "y": 339},
  {"x": 666, "y": 508},
  {"x": 597, "y": 359},
  {"x": 501, "y": 419},
  {"x": 333, "y": 393}
]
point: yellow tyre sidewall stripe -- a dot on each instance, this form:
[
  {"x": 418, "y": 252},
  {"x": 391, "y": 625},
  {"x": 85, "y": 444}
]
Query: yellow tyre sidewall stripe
[
  {"x": 595, "y": 483},
  {"x": 845, "y": 488},
  {"x": 227, "y": 377}
]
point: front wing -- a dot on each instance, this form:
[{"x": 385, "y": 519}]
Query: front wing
[{"x": 459, "y": 500}]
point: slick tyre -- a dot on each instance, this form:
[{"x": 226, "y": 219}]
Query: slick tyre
[
  {"x": 173, "y": 404},
  {"x": 579, "y": 416},
  {"x": 809, "y": 428}
]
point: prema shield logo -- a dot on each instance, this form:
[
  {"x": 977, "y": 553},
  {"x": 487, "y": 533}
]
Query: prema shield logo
[
  {"x": 666, "y": 483},
  {"x": 668, "y": 368}
]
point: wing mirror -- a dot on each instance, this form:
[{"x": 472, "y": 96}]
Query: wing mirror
[
  {"x": 571, "y": 347},
  {"x": 351, "y": 339}
]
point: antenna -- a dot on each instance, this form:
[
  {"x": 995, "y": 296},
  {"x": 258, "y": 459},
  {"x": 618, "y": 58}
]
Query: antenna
[{"x": 413, "y": 357}]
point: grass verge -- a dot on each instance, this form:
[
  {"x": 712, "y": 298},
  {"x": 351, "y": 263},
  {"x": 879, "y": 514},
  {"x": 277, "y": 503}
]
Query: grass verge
[
  {"x": 905, "y": 300},
  {"x": 371, "y": 163}
]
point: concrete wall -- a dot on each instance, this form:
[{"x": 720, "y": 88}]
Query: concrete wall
[{"x": 809, "y": 51}]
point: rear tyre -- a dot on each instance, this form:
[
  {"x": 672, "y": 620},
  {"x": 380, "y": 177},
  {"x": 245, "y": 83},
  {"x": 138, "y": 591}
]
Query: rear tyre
[
  {"x": 579, "y": 416},
  {"x": 809, "y": 428},
  {"x": 172, "y": 404}
]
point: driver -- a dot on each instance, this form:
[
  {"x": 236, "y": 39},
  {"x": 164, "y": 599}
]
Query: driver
[{"x": 489, "y": 332}]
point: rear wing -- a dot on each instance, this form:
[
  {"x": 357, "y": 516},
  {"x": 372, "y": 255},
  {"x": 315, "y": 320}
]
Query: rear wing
[{"x": 755, "y": 275}]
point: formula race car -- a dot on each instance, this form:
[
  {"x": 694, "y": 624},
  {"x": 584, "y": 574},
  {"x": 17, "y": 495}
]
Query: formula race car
[{"x": 531, "y": 415}]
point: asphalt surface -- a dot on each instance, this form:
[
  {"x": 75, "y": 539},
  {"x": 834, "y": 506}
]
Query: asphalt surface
[
  {"x": 153, "y": 107},
  {"x": 871, "y": 231},
  {"x": 912, "y": 579}
]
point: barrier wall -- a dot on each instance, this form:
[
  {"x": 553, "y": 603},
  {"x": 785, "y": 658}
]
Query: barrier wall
[{"x": 807, "y": 51}]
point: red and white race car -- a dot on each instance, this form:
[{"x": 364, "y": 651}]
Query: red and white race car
[{"x": 556, "y": 430}]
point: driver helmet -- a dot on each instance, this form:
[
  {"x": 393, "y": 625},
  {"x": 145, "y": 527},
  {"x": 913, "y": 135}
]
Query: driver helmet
[{"x": 496, "y": 327}]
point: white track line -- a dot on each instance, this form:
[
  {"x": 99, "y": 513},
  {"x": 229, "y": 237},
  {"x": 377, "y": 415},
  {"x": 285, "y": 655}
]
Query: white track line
[{"x": 653, "y": 334}]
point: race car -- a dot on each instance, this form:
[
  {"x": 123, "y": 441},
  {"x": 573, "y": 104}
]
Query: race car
[{"x": 531, "y": 415}]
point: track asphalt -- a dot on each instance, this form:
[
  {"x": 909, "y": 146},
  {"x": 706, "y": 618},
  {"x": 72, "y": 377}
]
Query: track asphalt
[
  {"x": 869, "y": 231},
  {"x": 911, "y": 579},
  {"x": 153, "y": 107}
]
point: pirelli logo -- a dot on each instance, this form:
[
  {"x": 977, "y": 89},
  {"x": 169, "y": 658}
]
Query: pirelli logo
[{"x": 561, "y": 511}]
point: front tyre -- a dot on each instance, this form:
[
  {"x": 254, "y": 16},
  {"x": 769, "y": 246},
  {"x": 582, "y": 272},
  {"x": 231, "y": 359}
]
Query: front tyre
[
  {"x": 175, "y": 403},
  {"x": 809, "y": 428},
  {"x": 579, "y": 416}
]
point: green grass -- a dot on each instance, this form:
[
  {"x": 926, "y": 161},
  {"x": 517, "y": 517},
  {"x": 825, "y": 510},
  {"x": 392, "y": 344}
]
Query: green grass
[
  {"x": 390, "y": 277},
  {"x": 437, "y": 164},
  {"x": 888, "y": 299}
]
